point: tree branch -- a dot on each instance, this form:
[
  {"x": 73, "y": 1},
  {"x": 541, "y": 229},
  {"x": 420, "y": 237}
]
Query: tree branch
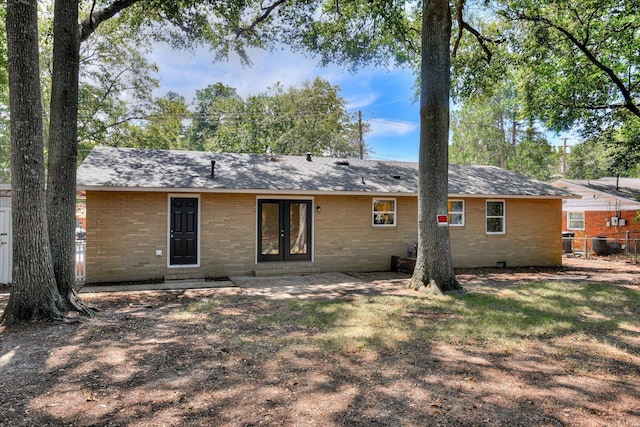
[
  {"x": 89, "y": 25},
  {"x": 624, "y": 91},
  {"x": 266, "y": 12},
  {"x": 459, "y": 8},
  {"x": 408, "y": 41},
  {"x": 93, "y": 134},
  {"x": 113, "y": 82},
  {"x": 595, "y": 107},
  {"x": 463, "y": 25}
]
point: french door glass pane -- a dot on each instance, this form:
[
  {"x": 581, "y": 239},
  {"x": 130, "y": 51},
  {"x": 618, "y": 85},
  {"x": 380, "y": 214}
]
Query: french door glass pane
[
  {"x": 297, "y": 228},
  {"x": 270, "y": 228}
]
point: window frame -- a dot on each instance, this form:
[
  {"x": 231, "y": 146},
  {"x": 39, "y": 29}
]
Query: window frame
[
  {"x": 569, "y": 222},
  {"x": 394, "y": 212},
  {"x": 503, "y": 216},
  {"x": 461, "y": 213}
]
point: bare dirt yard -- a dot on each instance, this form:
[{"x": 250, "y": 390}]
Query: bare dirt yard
[{"x": 523, "y": 347}]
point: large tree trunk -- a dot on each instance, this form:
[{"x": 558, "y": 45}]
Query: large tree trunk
[
  {"x": 434, "y": 266},
  {"x": 63, "y": 150},
  {"x": 34, "y": 295},
  {"x": 63, "y": 139}
]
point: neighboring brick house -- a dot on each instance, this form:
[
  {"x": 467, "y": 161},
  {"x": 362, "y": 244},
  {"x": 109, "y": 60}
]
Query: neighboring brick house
[
  {"x": 154, "y": 214},
  {"x": 607, "y": 207}
]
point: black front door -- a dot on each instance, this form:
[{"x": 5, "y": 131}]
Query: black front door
[
  {"x": 284, "y": 230},
  {"x": 183, "y": 233}
]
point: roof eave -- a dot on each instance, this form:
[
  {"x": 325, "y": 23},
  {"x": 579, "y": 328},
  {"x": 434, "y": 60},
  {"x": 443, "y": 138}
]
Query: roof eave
[
  {"x": 311, "y": 192},
  {"x": 589, "y": 188},
  {"x": 511, "y": 196}
]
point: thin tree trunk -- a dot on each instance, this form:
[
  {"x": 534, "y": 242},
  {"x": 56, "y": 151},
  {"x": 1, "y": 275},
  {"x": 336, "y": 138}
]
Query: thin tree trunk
[
  {"x": 434, "y": 265},
  {"x": 503, "y": 140},
  {"x": 63, "y": 150},
  {"x": 34, "y": 295}
]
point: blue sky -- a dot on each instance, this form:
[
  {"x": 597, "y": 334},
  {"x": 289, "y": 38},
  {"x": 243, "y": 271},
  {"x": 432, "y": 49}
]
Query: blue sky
[{"x": 385, "y": 97}]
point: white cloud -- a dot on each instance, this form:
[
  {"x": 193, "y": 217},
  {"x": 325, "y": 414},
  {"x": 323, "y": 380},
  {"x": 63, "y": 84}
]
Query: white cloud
[
  {"x": 186, "y": 71},
  {"x": 361, "y": 100},
  {"x": 390, "y": 127}
]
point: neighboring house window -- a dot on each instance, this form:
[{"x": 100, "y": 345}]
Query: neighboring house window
[
  {"x": 384, "y": 212},
  {"x": 575, "y": 220},
  {"x": 456, "y": 213},
  {"x": 495, "y": 217}
]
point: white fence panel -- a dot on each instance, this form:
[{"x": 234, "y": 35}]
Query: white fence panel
[
  {"x": 81, "y": 264},
  {"x": 6, "y": 251},
  {"x": 6, "y": 246}
]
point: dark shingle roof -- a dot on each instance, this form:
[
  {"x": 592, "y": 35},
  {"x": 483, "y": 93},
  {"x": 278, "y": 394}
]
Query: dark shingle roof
[
  {"x": 627, "y": 188},
  {"x": 129, "y": 168}
]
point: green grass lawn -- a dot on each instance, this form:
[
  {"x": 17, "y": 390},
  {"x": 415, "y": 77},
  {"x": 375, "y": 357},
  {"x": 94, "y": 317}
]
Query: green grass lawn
[{"x": 503, "y": 318}]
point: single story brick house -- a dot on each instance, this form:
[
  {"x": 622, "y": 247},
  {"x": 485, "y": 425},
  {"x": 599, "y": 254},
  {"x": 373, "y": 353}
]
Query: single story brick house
[
  {"x": 605, "y": 207},
  {"x": 154, "y": 214}
]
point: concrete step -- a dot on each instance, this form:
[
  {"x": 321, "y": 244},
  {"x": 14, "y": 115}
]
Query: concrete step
[
  {"x": 183, "y": 276},
  {"x": 286, "y": 271},
  {"x": 166, "y": 285}
]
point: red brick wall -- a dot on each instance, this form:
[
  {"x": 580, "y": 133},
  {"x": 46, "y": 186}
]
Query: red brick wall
[{"x": 595, "y": 224}]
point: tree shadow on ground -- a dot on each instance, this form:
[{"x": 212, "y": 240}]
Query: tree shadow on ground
[{"x": 222, "y": 357}]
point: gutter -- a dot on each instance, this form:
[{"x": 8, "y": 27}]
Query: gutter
[{"x": 315, "y": 192}]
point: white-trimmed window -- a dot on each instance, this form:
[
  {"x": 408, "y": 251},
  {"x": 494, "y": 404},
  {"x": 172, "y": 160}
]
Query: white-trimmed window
[
  {"x": 495, "y": 217},
  {"x": 384, "y": 212},
  {"x": 575, "y": 220},
  {"x": 456, "y": 213}
]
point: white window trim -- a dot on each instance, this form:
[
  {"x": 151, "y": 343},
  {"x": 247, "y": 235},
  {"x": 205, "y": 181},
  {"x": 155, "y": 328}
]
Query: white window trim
[
  {"x": 569, "y": 222},
  {"x": 168, "y": 247},
  {"x": 462, "y": 213},
  {"x": 504, "y": 217},
  {"x": 395, "y": 212}
]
